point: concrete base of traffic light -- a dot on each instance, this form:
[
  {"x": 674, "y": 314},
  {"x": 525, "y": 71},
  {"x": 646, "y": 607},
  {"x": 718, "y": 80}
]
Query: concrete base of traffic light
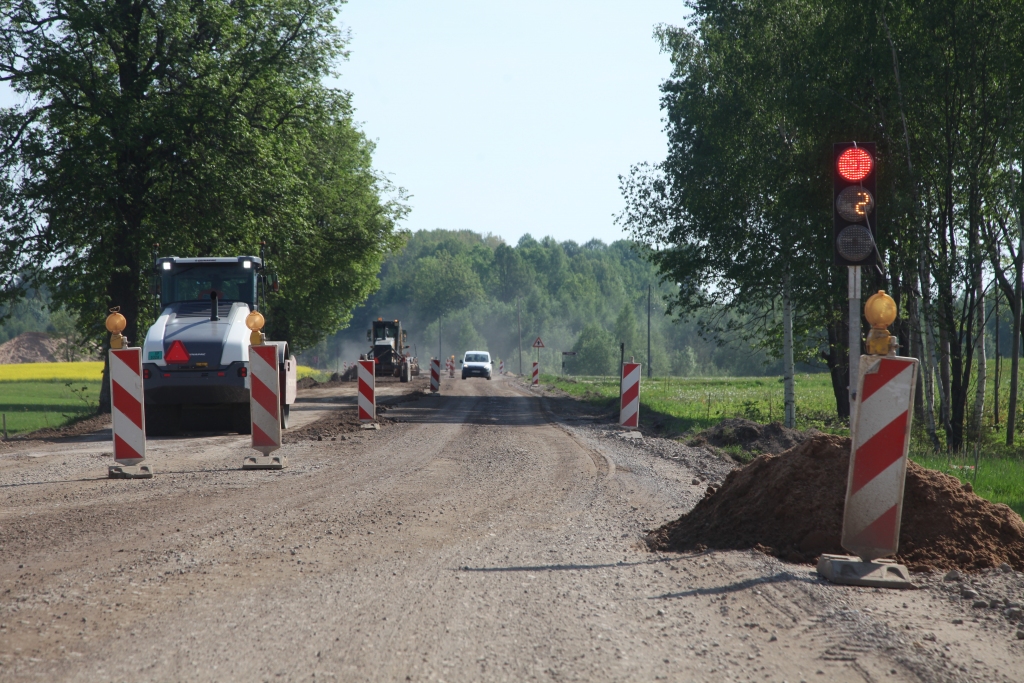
[
  {"x": 143, "y": 471},
  {"x": 852, "y": 571},
  {"x": 264, "y": 462}
]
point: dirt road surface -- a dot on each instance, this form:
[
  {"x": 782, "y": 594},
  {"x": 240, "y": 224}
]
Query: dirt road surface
[{"x": 490, "y": 534}]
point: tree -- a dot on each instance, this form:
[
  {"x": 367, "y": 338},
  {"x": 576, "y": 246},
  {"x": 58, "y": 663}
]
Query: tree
[
  {"x": 627, "y": 332},
  {"x": 444, "y": 283},
  {"x": 595, "y": 352},
  {"x": 201, "y": 127}
]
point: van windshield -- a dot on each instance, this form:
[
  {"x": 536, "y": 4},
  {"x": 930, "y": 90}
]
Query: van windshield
[{"x": 477, "y": 358}]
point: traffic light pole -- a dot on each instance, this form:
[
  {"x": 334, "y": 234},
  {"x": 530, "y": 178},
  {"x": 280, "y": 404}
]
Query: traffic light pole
[{"x": 853, "y": 281}]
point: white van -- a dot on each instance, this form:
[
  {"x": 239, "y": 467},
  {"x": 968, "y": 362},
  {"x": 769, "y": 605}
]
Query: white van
[{"x": 476, "y": 364}]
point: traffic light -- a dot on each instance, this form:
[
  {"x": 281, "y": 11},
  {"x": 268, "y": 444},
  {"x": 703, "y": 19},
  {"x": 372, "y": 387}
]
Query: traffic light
[{"x": 853, "y": 203}]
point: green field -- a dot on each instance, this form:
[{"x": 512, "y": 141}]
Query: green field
[
  {"x": 32, "y": 405},
  {"x": 679, "y": 407}
]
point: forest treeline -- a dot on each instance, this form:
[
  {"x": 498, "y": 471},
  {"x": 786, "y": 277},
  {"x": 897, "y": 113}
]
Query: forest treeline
[
  {"x": 738, "y": 213},
  {"x": 586, "y": 298}
]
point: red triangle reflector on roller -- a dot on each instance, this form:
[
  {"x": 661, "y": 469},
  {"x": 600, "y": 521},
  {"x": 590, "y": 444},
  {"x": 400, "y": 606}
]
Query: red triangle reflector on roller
[{"x": 177, "y": 353}]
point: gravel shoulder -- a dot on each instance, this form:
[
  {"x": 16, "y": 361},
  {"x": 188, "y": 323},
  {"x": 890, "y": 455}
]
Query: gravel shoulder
[{"x": 484, "y": 534}]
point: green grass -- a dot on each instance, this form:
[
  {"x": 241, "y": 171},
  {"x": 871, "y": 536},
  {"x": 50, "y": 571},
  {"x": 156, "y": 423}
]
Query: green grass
[
  {"x": 35, "y": 405},
  {"x": 691, "y": 404},
  {"x": 1000, "y": 480}
]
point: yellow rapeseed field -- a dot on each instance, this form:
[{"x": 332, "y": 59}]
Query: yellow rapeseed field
[
  {"x": 91, "y": 371},
  {"x": 85, "y": 371}
]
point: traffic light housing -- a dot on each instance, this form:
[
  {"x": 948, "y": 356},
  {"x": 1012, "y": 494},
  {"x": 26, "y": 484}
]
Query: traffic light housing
[{"x": 854, "y": 203}]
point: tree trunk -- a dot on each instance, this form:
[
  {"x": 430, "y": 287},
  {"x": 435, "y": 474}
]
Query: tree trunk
[
  {"x": 787, "y": 353},
  {"x": 979, "y": 392},
  {"x": 999, "y": 366},
  {"x": 1018, "y": 294}
]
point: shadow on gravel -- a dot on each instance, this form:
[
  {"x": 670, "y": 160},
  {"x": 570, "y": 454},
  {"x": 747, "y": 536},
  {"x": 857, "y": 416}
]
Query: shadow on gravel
[
  {"x": 51, "y": 481},
  {"x": 564, "y": 567},
  {"x": 783, "y": 577}
]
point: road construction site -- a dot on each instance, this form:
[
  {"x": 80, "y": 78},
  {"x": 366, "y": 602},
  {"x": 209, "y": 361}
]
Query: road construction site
[{"x": 491, "y": 533}]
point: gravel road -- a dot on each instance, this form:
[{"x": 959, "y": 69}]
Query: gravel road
[{"x": 490, "y": 534}]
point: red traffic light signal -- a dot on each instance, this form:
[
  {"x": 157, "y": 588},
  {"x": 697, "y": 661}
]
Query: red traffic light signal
[{"x": 853, "y": 203}]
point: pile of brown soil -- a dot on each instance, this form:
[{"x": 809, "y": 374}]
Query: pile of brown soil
[
  {"x": 336, "y": 424},
  {"x": 29, "y": 347},
  {"x": 791, "y": 506},
  {"x": 345, "y": 420},
  {"x": 751, "y": 436}
]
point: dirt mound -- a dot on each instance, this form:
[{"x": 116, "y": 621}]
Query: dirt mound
[
  {"x": 751, "y": 436},
  {"x": 29, "y": 347},
  {"x": 333, "y": 380},
  {"x": 791, "y": 506}
]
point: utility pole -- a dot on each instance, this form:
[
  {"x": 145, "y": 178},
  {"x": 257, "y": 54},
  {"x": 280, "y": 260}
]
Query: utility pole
[
  {"x": 439, "y": 336},
  {"x": 853, "y": 284},
  {"x": 519, "y": 318},
  {"x": 649, "y": 375}
]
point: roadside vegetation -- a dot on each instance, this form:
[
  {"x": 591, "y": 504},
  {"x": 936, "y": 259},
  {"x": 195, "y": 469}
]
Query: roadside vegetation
[
  {"x": 681, "y": 407},
  {"x": 39, "y": 395}
]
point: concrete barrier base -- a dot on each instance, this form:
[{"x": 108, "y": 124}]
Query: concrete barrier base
[
  {"x": 852, "y": 571},
  {"x": 264, "y": 462},
  {"x": 143, "y": 471}
]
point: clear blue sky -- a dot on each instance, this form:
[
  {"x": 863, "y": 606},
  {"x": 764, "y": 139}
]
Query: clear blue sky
[{"x": 510, "y": 117}]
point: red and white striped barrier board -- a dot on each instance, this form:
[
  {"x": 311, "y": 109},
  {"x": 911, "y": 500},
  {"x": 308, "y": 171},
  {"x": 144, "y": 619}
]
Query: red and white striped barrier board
[
  {"x": 435, "y": 375},
  {"x": 629, "y": 395},
  {"x": 265, "y": 407},
  {"x": 128, "y": 413},
  {"x": 501, "y": 367},
  {"x": 878, "y": 461},
  {"x": 536, "y": 375},
  {"x": 367, "y": 397}
]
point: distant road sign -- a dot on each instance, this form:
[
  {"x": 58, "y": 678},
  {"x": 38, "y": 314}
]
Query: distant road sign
[
  {"x": 538, "y": 344},
  {"x": 568, "y": 353}
]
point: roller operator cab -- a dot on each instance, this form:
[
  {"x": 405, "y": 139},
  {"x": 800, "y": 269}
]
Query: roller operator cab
[
  {"x": 476, "y": 364},
  {"x": 195, "y": 359}
]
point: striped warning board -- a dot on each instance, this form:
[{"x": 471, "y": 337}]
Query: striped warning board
[
  {"x": 629, "y": 395},
  {"x": 435, "y": 375},
  {"x": 501, "y": 367},
  {"x": 265, "y": 398},
  {"x": 128, "y": 408},
  {"x": 367, "y": 398},
  {"x": 878, "y": 461},
  {"x": 536, "y": 373}
]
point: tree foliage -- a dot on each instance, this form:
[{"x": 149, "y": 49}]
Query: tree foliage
[
  {"x": 588, "y": 298},
  {"x": 202, "y": 127},
  {"x": 760, "y": 90}
]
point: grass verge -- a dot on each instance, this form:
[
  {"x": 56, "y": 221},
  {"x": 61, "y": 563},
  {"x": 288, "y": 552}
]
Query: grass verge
[{"x": 29, "y": 406}]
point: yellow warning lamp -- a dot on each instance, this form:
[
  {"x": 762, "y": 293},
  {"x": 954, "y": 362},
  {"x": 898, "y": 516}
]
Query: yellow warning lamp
[
  {"x": 254, "y": 321},
  {"x": 115, "y": 325},
  {"x": 880, "y": 311}
]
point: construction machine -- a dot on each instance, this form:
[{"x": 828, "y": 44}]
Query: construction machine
[
  {"x": 195, "y": 360},
  {"x": 388, "y": 350}
]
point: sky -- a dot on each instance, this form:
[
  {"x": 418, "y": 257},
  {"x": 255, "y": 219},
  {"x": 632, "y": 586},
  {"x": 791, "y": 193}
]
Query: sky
[{"x": 510, "y": 117}]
